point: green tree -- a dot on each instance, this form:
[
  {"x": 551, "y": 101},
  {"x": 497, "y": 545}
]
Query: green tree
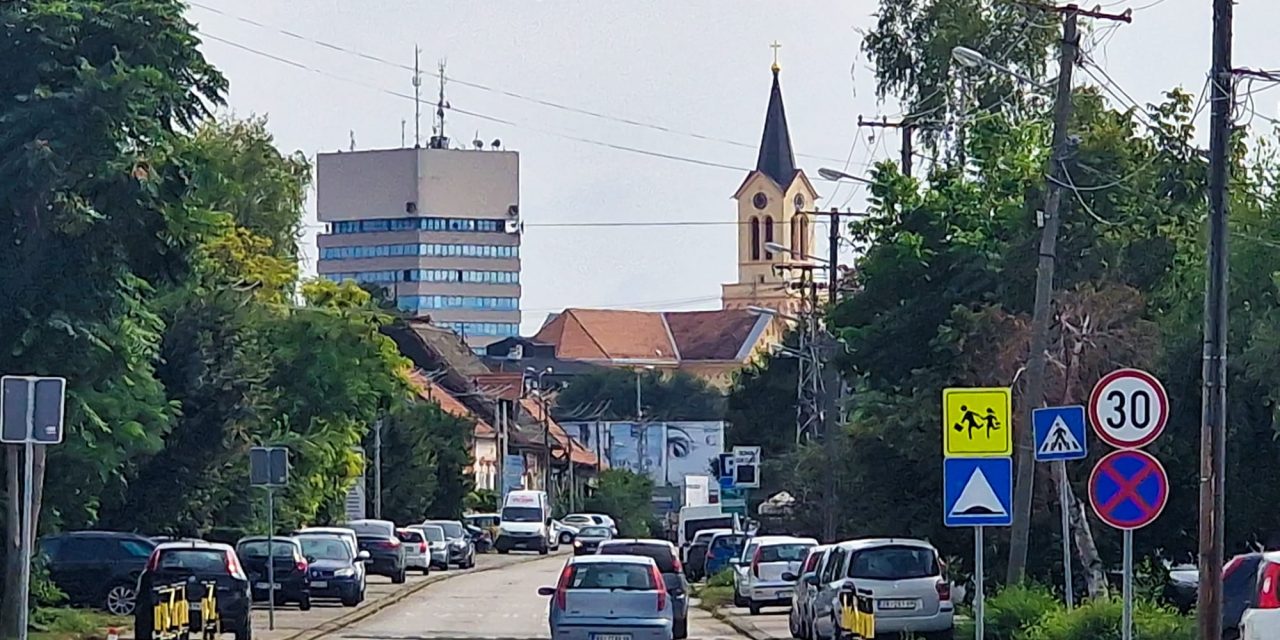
[
  {"x": 626, "y": 497},
  {"x": 424, "y": 456},
  {"x": 611, "y": 395}
]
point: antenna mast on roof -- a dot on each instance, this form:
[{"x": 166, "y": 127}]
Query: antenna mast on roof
[
  {"x": 440, "y": 140},
  {"x": 417, "y": 98}
]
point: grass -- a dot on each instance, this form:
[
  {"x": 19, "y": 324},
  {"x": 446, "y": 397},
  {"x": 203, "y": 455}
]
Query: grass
[
  {"x": 58, "y": 623},
  {"x": 715, "y": 597}
]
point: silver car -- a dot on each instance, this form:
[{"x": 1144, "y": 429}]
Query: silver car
[
  {"x": 606, "y": 597},
  {"x": 801, "y": 616},
  {"x": 437, "y": 545},
  {"x": 904, "y": 576}
]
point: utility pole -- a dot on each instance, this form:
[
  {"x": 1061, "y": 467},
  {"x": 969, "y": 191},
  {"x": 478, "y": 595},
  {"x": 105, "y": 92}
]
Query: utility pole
[
  {"x": 1041, "y": 316},
  {"x": 1213, "y": 424},
  {"x": 377, "y": 469},
  {"x": 904, "y": 126}
]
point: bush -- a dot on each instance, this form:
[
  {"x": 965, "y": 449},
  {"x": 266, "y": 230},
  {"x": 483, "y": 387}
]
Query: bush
[
  {"x": 722, "y": 579},
  {"x": 1100, "y": 620},
  {"x": 1015, "y": 609}
]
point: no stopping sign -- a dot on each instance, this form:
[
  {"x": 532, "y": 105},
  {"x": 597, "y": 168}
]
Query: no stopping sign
[{"x": 1128, "y": 408}]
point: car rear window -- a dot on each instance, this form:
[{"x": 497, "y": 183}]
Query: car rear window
[
  {"x": 409, "y": 535},
  {"x": 727, "y": 542},
  {"x": 325, "y": 548},
  {"x": 784, "y": 552},
  {"x": 627, "y": 576},
  {"x": 660, "y": 553},
  {"x": 811, "y": 562},
  {"x": 894, "y": 563},
  {"x": 692, "y": 527},
  {"x": 434, "y": 533},
  {"x": 594, "y": 532},
  {"x": 451, "y": 529},
  {"x": 196, "y": 560},
  {"x": 259, "y": 548}
]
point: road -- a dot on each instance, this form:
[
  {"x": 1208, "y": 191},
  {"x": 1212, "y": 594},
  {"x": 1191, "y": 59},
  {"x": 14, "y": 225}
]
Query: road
[{"x": 490, "y": 605}]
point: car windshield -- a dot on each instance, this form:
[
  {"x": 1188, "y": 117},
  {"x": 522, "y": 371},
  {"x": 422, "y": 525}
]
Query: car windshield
[
  {"x": 434, "y": 533},
  {"x": 620, "y": 576},
  {"x": 195, "y": 560},
  {"x": 325, "y": 548},
  {"x": 279, "y": 549},
  {"x": 594, "y": 532},
  {"x": 522, "y": 514},
  {"x": 409, "y": 535},
  {"x": 784, "y": 552},
  {"x": 894, "y": 563},
  {"x": 727, "y": 542},
  {"x": 661, "y": 553},
  {"x": 692, "y": 527},
  {"x": 451, "y": 529}
]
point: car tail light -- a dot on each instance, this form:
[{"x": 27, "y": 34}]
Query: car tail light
[
  {"x": 1268, "y": 598},
  {"x": 387, "y": 544},
  {"x": 422, "y": 547},
  {"x": 662, "y": 587},
  {"x": 233, "y": 565},
  {"x": 944, "y": 590},
  {"x": 301, "y": 565},
  {"x": 154, "y": 561},
  {"x": 678, "y": 565},
  {"x": 562, "y": 588},
  {"x": 755, "y": 563}
]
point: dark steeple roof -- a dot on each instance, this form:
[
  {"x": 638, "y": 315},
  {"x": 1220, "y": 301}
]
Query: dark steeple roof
[{"x": 776, "y": 158}]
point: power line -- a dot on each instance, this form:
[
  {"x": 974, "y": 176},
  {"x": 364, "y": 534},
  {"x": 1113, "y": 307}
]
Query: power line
[{"x": 483, "y": 87}]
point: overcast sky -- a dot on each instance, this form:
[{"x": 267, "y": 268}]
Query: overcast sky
[{"x": 698, "y": 68}]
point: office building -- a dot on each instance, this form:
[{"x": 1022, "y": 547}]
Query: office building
[{"x": 439, "y": 229}]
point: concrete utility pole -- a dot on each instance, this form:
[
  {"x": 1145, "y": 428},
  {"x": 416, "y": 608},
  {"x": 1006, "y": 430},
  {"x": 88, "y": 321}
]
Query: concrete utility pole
[
  {"x": 1213, "y": 425},
  {"x": 1041, "y": 315},
  {"x": 906, "y": 127}
]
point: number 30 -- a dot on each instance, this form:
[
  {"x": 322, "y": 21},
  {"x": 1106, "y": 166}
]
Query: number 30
[{"x": 1139, "y": 405}]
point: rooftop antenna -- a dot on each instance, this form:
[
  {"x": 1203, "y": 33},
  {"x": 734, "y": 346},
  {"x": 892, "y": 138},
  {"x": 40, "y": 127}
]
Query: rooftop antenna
[
  {"x": 440, "y": 140},
  {"x": 402, "y": 125},
  {"x": 417, "y": 97},
  {"x": 353, "y": 139}
]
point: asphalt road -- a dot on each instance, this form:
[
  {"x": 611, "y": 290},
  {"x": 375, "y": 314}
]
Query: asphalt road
[{"x": 491, "y": 605}]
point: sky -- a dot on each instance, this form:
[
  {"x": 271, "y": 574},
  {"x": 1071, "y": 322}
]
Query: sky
[{"x": 699, "y": 70}]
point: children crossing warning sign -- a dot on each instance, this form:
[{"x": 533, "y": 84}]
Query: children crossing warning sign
[{"x": 975, "y": 422}]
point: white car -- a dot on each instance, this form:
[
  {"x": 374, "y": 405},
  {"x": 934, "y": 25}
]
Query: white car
[
  {"x": 904, "y": 576},
  {"x": 766, "y": 583},
  {"x": 581, "y": 520},
  {"x": 742, "y": 564},
  {"x": 565, "y": 533},
  {"x": 437, "y": 544},
  {"x": 417, "y": 551}
]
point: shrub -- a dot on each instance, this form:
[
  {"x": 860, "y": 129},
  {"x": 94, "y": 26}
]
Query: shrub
[
  {"x": 1017, "y": 608},
  {"x": 722, "y": 579},
  {"x": 1100, "y": 620}
]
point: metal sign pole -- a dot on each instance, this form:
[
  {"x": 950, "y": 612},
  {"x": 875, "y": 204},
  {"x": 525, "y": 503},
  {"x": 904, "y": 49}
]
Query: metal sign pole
[
  {"x": 28, "y": 479},
  {"x": 1064, "y": 496},
  {"x": 271, "y": 563},
  {"x": 979, "y": 607},
  {"x": 1126, "y": 628}
]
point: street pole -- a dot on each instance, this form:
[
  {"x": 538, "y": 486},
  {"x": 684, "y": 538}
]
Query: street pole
[
  {"x": 28, "y": 497},
  {"x": 1064, "y": 503},
  {"x": 831, "y": 395},
  {"x": 1024, "y": 485},
  {"x": 979, "y": 586},
  {"x": 905, "y": 127},
  {"x": 271, "y": 563},
  {"x": 1209, "y": 598},
  {"x": 377, "y": 469},
  {"x": 1126, "y": 615}
]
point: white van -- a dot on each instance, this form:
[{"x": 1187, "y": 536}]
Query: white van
[{"x": 526, "y": 523}]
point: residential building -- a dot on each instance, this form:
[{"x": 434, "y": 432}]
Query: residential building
[
  {"x": 439, "y": 229},
  {"x": 775, "y": 205}
]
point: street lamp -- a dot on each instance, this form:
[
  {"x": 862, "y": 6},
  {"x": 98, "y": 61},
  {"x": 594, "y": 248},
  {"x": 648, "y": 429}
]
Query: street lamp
[
  {"x": 779, "y": 248},
  {"x": 837, "y": 175},
  {"x": 773, "y": 312},
  {"x": 974, "y": 59},
  {"x": 546, "y": 425}
]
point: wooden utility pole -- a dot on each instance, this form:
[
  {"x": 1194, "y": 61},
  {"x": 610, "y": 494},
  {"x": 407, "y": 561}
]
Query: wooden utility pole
[
  {"x": 1213, "y": 423},
  {"x": 1024, "y": 449},
  {"x": 906, "y": 127}
]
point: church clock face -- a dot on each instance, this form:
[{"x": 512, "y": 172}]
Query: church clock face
[
  {"x": 799, "y": 201},
  {"x": 760, "y": 200}
]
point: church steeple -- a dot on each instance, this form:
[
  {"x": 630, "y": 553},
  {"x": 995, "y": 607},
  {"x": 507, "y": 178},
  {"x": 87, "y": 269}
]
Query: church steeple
[{"x": 776, "y": 159}]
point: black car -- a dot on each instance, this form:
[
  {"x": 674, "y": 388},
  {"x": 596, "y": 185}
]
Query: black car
[
  {"x": 462, "y": 552},
  {"x": 668, "y": 559},
  {"x": 386, "y": 556},
  {"x": 291, "y": 571},
  {"x": 197, "y": 563},
  {"x": 335, "y": 573},
  {"x": 480, "y": 538},
  {"x": 97, "y": 568},
  {"x": 589, "y": 539}
]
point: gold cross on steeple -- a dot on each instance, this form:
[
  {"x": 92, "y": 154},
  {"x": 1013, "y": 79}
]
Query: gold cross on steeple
[{"x": 775, "y": 46}]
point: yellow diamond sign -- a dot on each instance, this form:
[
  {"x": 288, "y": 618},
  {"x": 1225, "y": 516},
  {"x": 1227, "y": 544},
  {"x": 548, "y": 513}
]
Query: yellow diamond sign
[{"x": 975, "y": 422}]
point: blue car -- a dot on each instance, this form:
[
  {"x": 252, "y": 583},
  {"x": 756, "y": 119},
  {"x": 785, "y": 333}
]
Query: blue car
[
  {"x": 723, "y": 547},
  {"x": 334, "y": 570},
  {"x": 607, "y": 597}
]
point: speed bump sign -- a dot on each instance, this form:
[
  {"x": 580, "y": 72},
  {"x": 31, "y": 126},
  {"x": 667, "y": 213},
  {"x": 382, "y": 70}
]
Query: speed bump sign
[{"x": 975, "y": 422}]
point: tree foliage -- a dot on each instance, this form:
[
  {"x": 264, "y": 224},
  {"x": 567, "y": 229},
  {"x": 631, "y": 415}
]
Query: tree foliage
[
  {"x": 626, "y": 497},
  {"x": 611, "y": 395}
]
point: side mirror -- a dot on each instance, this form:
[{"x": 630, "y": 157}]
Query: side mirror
[
  {"x": 546, "y": 591},
  {"x": 363, "y": 556},
  {"x": 789, "y": 577},
  {"x": 310, "y": 559}
]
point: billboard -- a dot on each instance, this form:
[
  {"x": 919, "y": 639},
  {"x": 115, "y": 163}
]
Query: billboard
[{"x": 667, "y": 452}]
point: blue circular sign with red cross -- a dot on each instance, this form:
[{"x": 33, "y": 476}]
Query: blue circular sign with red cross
[{"x": 1128, "y": 489}]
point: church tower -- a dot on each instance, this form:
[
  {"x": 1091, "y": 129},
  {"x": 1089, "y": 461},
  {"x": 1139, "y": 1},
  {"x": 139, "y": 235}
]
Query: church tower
[{"x": 772, "y": 205}]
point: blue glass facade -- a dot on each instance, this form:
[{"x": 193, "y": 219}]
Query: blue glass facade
[
  {"x": 429, "y": 275},
  {"x": 419, "y": 249},
  {"x": 497, "y": 329},
  {"x": 420, "y": 224},
  {"x": 478, "y": 303}
]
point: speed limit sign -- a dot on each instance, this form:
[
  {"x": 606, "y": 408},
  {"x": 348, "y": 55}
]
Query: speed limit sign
[{"x": 1128, "y": 408}]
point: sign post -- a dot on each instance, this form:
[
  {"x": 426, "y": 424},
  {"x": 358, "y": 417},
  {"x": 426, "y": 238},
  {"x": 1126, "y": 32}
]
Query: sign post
[
  {"x": 1060, "y": 435},
  {"x": 977, "y": 471},
  {"x": 269, "y": 467},
  {"x": 1129, "y": 487},
  {"x": 31, "y": 413}
]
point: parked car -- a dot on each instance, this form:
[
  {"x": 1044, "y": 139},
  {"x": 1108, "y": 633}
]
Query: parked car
[
  {"x": 386, "y": 554},
  {"x": 905, "y": 577},
  {"x": 483, "y": 520},
  {"x": 695, "y": 556},
  {"x": 462, "y": 552},
  {"x": 584, "y": 519},
  {"x": 349, "y": 537},
  {"x": 292, "y": 573},
  {"x": 565, "y": 532},
  {"x": 589, "y": 539},
  {"x": 417, "y": 552},
  {"x": 199, "y": 562},
  {"x": 1261, "y": 619},
  {"x": 767, "y": 584},
  {"x": 97, "y": 568},
  {"x": 800, "y": 619},
  {"x": 741, "y": 563},
  {"x": 335, "y": 570},
  {"x": 604, "y": 596},
  {"x": 436, "y": 544},
  {"x": 724, "y": 547},
  {"x": 480, "y": 538},
  {"x": 667, "y": 558}
]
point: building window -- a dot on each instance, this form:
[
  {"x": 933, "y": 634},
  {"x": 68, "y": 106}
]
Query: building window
[
  {"x": 500, "y": 329},
  {"x": 435, "y": 250},
  {"x": 804, "y": 235},
  {"x": 481, "y": 225},
  {"x": 800, "y": 234},
  {"x": 479, "y": 303},
  {"x": 755, "y": 238},
  {"x": 768, "y": 236}
]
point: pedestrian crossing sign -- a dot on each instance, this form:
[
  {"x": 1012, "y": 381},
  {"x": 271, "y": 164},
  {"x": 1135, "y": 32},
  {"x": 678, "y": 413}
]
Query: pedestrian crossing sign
[
  {"x": 975, "y": 422},
  {"x": 1060, "y": 433}
]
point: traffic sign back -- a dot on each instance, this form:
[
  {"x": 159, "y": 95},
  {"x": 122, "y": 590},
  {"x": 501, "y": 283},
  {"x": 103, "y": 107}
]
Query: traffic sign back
[
  {"x": 977, "y": 492},
  {"x": 1128, "y": 408},
  {"x": 1128, "y": 489},
  {"x": 975, "y": 422},
  {"x": 1060, "y": 433}
]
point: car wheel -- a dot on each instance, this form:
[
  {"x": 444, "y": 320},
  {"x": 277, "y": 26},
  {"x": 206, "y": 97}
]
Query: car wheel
[
  {"x": 795, "y": 630},
  {"x": 426, "y": 571},
  {"x": 738, "y": 600},
  {"x": 245, "y": 630},
  {"x": 503, "y": 552},
  {"x": 305, "y": 603},
  {"x": 399, "y": 578},
  {"x": 543, "y": 550},
  {"x": 351, "y": 600},
  {"x": 949, "y": 634},
  {"x": 753, "y": 608},
  {"x": 680, "y": 630},
  {"x": 121, "y": 599},
  {"x": 566, "y": 538}
]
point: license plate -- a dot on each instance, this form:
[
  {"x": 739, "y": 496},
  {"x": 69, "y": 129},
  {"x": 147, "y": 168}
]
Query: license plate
[
  {"x": 897, "y": 605},
  {"x": 194, "y": 605},
  {"x": 319, "y": 584},
  {"x": 264, "y": 585},
  {"x": 785, "y": 593},
  {"x": 610, "y": 636}
]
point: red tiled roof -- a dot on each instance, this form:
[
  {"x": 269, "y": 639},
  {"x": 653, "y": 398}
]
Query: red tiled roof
[
  {"x": 649, "y": 336},
  {"x": 429, "y": 390},
  {"x": 711, "y": 335}
]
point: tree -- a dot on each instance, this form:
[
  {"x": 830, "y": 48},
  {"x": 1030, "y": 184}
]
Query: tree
[
  {"x": 611, "y": 395},
  {"x": 424, "y": 456},
  {"x": 626, "y": 497}
]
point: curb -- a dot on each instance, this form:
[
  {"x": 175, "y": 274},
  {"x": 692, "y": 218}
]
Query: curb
[
  {"x": 344, "y": 621},
  {"x": 743, "y": 627}
]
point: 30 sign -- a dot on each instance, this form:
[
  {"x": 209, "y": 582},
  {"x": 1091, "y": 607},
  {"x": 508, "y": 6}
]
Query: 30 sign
[{"x": 1128, "y": 408}]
